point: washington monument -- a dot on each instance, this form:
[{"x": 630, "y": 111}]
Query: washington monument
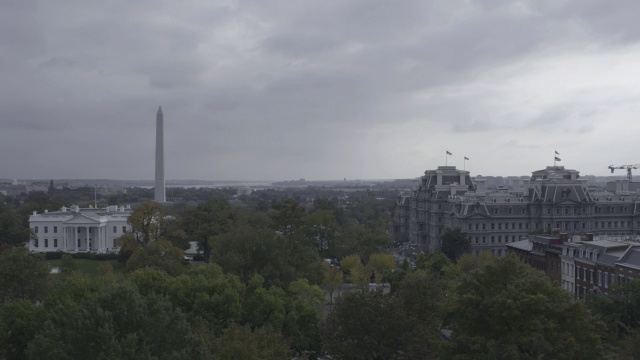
[{"x": 160, "y": 195}]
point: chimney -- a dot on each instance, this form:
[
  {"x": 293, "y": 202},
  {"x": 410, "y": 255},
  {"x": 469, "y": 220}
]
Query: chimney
[
  {"x": 564, "y": 237},
  {"x": 481, "y": 186}
]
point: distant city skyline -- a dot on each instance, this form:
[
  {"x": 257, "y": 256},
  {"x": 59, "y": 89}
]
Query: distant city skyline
[{"x": 316, "y": 90}]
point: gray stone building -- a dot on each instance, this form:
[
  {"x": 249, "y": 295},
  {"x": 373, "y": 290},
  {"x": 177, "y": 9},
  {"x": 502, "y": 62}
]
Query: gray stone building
[{"x": 553, "y": 198}]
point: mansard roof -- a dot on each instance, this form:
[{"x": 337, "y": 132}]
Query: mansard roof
[{"x": 559, "y": 192}]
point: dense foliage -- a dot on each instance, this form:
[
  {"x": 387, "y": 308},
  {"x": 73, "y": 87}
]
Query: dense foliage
[{"x": 283, "y": 279}]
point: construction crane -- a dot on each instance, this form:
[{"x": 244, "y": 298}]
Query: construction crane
[{"x": 628, "y": 167}]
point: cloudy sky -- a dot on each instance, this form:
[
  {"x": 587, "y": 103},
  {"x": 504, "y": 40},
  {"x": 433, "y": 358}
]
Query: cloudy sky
[{"x": 328, "y": 89}]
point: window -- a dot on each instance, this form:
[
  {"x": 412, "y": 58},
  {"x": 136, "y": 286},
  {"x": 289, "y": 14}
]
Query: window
[
  {"x": 46, "y": 229},
  {"x": 509, "y": 211},
  {"x": 35, "y": 242},
  {"x": 78, "y": 242},
  {"x": 495, "y": 211},
  {"x": 46, "y": 242},
  {"x": 115, "y": 229},
  {"x": 124, "y": 228},
  {"x": 35, "y": 229},
  {"x": 55, "y": 229},
  {"x": 599, "y": 278},
  {"x": 493, "y": 226},
  {"x": 78, "y": 230},
  {"x": 55, "y": 243}
]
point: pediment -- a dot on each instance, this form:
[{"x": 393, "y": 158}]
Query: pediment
[
  {"x": 477, "y": 215},
  {"x": 82, "y": 220}
]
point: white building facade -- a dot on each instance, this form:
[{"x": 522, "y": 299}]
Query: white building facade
[{"x": 76, "y": 229}]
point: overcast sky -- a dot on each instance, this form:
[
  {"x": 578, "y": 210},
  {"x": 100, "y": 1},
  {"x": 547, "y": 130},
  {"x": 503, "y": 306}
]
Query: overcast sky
[{"x": 287, "y": 89}]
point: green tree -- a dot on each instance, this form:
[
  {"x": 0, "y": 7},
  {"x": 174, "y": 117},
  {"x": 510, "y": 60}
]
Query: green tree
[
  {"x": 19, "y": 322},
  {"x": 381, "y": 263},
  {"x": 113, "y": 321},
  {"x": 372, "y": 325},
  {"x": 160, "y": 255},
  {"x": 22, "y": 276},
  {"x": 287, "y": 218},
  {"x": 355, "y": 271},
  {"x": 303, "y": 314},
  {"x": 207, "y": 222},
  {"x": 363, "y": 240},
  {"x": 511, "y": 311},
  {"x": 13, "y": 231},
  {"x": 147, "y": 223},
  {"x": 67, "y": 264},
  {"x": 454, "y": 243},
  {"x": 332, "y": 280},
  {"x": 619, "y": 309},
  {"x": 241, "y": 342},
  {"x": 320, "y": 231}
]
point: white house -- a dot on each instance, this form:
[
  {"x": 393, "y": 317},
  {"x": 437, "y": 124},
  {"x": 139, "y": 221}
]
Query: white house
[{"x": 79, "y": 230}]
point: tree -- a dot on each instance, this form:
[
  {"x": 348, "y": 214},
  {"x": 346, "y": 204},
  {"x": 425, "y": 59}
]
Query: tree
[
  {"x": 511, "y": 311},
  {"x": 241, "y": 342},
  {"x": 112, "y": 321},
  {"x": 22, "y": 276},
  {"x": 303, "y": 314},
  {"x": 353, "y": 268},
  {"x": 363, "y": 240},
  {"x": 147, "y": 223},
  {"x": 332, "y": 280},
  {"x": 160, "y": 255},
  {"x": 19, "y": 322},
  {"x": 320, "y": 230},
  {"x": 207, "y": 222},
  {"x": 13, "y": 231},
  {"x": 67, "y": 264},
  {"x": 381, "y": 263},
  {"x": 372, "y": 325},
  {"x": 619, "y": 308},
  {"x": 288, "y": 217},
  {"x": 150, "y": 223},
  {"x": 454, "y": 243}
]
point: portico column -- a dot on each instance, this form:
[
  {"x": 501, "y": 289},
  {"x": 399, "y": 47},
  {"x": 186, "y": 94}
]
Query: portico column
[
  {"x": 99, "y": 234},
  {"x": 86, "y": 238},
  {"x": 75, "y": 241}
]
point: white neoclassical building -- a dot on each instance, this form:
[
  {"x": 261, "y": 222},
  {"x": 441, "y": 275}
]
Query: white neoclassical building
[{"x": 76, "y": 229}]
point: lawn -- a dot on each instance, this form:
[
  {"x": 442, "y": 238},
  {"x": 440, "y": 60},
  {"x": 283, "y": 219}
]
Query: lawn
[{"x": 90, "y": 267}]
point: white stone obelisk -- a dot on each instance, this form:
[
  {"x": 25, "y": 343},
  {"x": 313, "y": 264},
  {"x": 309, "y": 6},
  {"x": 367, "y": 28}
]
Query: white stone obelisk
[{"x": 160, "y": 194}]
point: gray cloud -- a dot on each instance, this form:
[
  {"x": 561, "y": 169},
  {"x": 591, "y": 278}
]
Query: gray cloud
[{"x": 288, "y": 89}]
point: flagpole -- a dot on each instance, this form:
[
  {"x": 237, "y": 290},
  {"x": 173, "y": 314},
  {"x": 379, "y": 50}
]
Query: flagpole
[
  {"x": 464, "y": 164},
  {"x": 554, "y": 158},
  {"x": 446, "y": 158}
]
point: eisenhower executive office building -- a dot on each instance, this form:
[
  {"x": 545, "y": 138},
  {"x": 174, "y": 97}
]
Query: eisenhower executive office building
[{"x": 554, "y": 198}]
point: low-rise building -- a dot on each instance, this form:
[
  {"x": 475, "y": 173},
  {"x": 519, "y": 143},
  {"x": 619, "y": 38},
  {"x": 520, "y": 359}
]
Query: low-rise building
[{"x": 76, "y": 229}]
